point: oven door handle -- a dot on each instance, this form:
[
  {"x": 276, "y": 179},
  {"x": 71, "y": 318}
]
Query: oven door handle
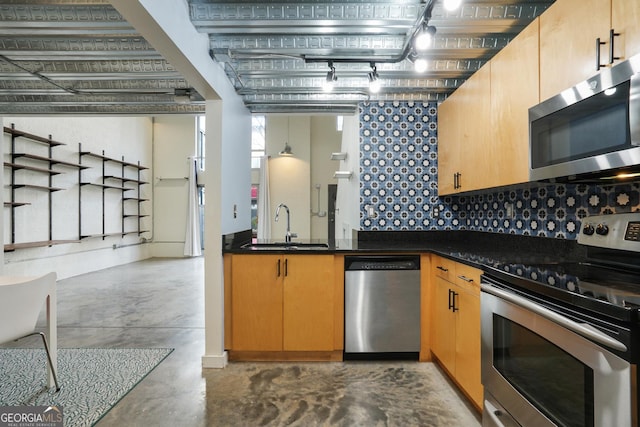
[{"x": 583, "y": 329}]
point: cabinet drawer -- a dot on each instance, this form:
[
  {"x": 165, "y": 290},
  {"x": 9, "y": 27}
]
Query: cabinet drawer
[
  {"x": 444, "y": 268},
  {"x": 468, "y": 277}
]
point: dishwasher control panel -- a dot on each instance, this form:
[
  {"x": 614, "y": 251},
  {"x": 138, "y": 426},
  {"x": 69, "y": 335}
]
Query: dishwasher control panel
[{"x": 382, "y": 263}]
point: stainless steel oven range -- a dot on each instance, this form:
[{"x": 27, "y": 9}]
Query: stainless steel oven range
[{"x": 560, "y": 340}]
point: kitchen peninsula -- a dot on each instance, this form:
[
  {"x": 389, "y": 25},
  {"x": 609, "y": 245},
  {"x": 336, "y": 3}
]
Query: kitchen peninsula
[{"x": 288, "y": 304}]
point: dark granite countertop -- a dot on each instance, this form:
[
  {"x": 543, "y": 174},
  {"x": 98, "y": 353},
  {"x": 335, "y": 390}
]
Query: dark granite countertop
[
  {"x": 556, "y": 268},
  {"x": 484, "y": 250}
]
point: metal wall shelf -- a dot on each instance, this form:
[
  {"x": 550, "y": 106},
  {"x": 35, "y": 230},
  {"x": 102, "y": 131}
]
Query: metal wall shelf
[
  {"x": 14, "y": 166},
  {"x": 122, "y": 178}
]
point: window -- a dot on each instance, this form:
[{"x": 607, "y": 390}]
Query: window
[
  {"x": 200, "y": 160},
  {"x": 200, "y": 141},
  {"x": 258, "y": 140}
]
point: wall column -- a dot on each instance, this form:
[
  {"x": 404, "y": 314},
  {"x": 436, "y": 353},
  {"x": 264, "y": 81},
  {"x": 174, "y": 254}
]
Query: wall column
[{"x": 214, "y": 355}]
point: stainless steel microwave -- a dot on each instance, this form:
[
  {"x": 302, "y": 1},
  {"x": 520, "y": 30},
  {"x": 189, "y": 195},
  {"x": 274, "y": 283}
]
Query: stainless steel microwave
[{"x": 590, "y": 131}]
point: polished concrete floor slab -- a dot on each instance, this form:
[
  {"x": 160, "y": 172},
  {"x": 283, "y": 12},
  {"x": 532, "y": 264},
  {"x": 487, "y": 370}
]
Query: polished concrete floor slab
[{"x": 159, "y": 303}]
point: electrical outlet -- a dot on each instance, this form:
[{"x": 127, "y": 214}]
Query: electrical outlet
[
  {"x": 510, "y": 210},
  {"x": 436, "y": 212}
]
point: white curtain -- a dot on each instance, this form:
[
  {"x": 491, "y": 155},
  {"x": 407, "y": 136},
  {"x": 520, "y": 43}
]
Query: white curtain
[
  {"x": 264, "y": 202},
  {"x": 192, "y": 236}
]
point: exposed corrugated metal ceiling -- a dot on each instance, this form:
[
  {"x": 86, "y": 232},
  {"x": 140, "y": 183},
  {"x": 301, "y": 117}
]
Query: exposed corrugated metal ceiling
[{"x": 82, "y": 57}]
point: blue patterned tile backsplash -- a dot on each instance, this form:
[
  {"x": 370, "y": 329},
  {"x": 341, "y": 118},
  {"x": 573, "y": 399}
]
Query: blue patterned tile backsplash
[{"x": 399, "y": 185}]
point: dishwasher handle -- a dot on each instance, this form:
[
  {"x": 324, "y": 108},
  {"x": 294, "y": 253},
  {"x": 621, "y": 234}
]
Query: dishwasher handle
[{"x": 377, "y": 263}]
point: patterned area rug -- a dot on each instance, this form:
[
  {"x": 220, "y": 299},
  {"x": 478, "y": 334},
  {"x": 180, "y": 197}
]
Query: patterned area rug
[{"x": 92, "y": 380}]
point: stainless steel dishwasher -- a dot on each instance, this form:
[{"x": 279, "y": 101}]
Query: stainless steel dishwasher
[{"x": 382, "y": 307}]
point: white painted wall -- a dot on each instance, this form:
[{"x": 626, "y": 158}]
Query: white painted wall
[
  {"x": 325, "y": 139},
  {"x": 235, "y": 211},
  {"x": 293, "y": 179},
  {"x": 74, "y": 205},
  {"x": 174, "y": 142},
  {"x": 348, "y": 197},
  {"x": 289, "y": 177}
]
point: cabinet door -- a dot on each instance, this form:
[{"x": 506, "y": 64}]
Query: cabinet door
[
  {"x": 256, "y": 301},
  {"x": 477, "y": 150},
  {"x": 443, "y": 343},
  {"x": 449, "y": 135},
  {"x": 468, "y": 344},
  {"x": 568, "y": 32},
  {"x": 464, "y": 146},
  {"x": 308, "y": 303},
  {"x": 624, "y": 20},
  {"x": 514, "y": 89}
]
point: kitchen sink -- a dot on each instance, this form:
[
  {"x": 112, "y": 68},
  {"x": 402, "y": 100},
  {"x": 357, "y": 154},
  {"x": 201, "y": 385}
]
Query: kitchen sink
[{"x": 285, "y": 246}]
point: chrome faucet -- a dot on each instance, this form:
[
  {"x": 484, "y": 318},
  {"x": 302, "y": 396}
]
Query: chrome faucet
[{"x": 289, "y": 235}]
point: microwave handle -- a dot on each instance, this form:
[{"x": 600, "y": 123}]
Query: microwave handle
[{"x": 583, "y": 329}]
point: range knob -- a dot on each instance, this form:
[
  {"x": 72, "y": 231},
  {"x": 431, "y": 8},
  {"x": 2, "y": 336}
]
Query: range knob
[
  {"x": 588, "y": 230},
  {"x": 602, "y": 230}
]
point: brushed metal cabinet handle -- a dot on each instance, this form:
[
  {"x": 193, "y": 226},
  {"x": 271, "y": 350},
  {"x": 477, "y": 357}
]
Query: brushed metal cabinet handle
[
  {"x": 598, "y": 44},
  {"x": 453, "y": 305},
  {"x": 612, "y": 36}
]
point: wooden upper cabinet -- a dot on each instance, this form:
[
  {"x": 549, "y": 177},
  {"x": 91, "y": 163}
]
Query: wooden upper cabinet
[
  {"x": 449, "y": 131},
  {"x": 463, "y": 136},
  {"x": 625, "y": 20},
  {"x": 514, "y": 89},
  {"x": 568, "y": 33},
  {"x": 477, "y": 150}
]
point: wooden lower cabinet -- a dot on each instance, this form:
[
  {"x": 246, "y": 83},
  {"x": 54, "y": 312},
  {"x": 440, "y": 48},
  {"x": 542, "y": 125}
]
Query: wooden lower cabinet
[
  {"x": 308, "y": 303},
  {"x": 443, "y": 337},
  {"x": 455, "y": 323},
  {"x": 468, "y": 345},
  {"x": 256, "y": 302},
  {"x": 281, "y": 303}
]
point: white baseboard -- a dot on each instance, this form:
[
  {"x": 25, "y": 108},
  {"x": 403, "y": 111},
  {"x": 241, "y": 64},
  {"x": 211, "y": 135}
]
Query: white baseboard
[{"x": 215, "y": 362}]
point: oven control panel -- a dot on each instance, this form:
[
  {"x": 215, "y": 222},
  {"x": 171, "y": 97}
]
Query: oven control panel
[
  {"x": 633, "y": 231},
  {"x": 615, "y": 231}
]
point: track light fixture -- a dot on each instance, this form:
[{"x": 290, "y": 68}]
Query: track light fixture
[
  {"x": 374, "y": 79},
  {"x": 424, "y": 38},
  {"x": 420, "y": 64},
  {"x": 331, "y": 78},
  {"x": 451, "y": 4}
]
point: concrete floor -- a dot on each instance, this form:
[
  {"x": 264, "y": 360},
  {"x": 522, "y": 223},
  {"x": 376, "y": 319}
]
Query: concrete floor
[{"x": 159, "y": 303}]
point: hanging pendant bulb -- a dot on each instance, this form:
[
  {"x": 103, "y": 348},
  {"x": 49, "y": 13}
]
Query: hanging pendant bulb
[{"x": 286, "y": 151}]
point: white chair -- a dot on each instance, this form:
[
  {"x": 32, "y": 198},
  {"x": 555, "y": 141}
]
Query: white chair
[{"x": 21, "y": 300}]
